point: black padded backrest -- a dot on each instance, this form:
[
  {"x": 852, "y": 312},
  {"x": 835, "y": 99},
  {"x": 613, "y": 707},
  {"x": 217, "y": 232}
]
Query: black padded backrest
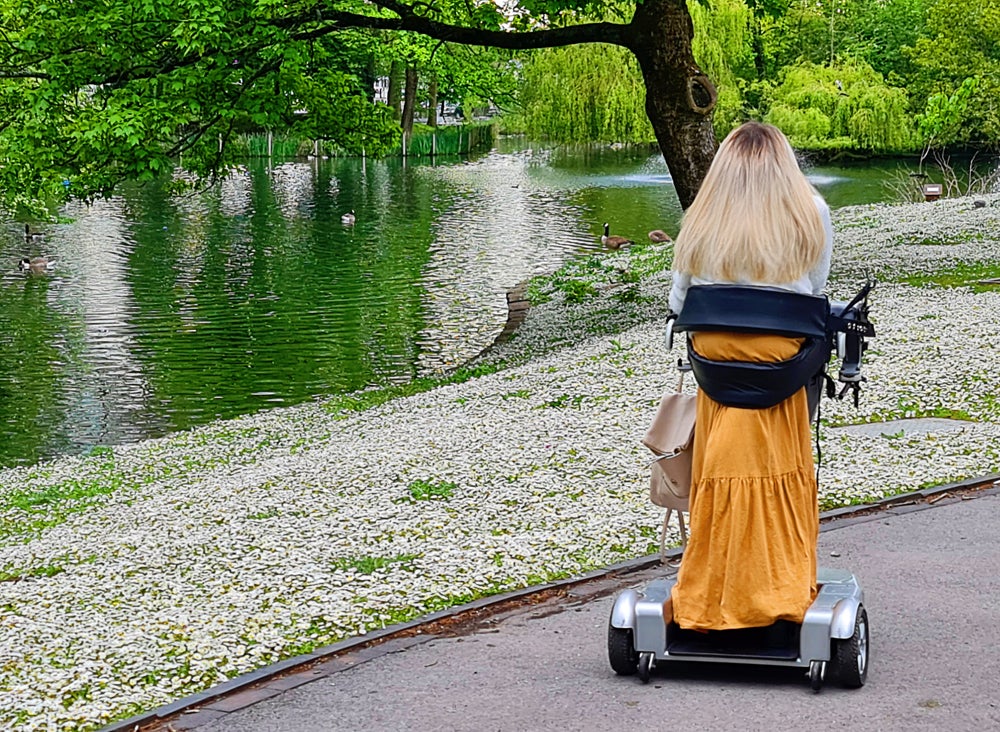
[{"x": 745, "y": 309}]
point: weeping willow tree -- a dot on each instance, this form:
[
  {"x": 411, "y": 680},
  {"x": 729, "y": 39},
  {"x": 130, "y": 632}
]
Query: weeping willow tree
[
  {"x": 590, "y": 93},
  {"x": 595, "y": 93},
  {"x": 723, "y": 46},
  {"x": 844, "y": 107}
]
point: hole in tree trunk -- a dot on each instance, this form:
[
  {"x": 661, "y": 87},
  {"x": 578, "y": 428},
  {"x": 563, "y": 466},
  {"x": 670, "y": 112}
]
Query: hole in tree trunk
[{"x": 701, "y": 94}]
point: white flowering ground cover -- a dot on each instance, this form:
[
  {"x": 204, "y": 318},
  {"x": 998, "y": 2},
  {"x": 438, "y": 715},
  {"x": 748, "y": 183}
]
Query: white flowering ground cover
[{"x": 144, "y": 573}]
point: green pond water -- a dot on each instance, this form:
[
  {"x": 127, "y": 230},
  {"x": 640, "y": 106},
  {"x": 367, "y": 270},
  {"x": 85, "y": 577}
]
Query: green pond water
[{"x": 164, "y": 313}]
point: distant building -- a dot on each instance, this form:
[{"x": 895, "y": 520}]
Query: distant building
[{"x": 382, "y": 89}]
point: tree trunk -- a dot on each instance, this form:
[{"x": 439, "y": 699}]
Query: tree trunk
[
  {"x": 679, "y": 96},
  {"x": 409, "y": 100},
  {"x": 432, "y": 102},
  {"x": 757, "y": 45},
  {"x": 369, "y": 77},
  {"x": 395, "y": 92}
]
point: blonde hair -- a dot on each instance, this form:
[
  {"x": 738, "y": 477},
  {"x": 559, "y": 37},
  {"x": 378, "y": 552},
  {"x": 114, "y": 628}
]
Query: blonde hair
[{"x": 754, "y": 218}]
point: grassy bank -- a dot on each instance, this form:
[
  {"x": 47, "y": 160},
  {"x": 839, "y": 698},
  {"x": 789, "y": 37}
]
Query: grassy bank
[{"x": 143, "y": 573}]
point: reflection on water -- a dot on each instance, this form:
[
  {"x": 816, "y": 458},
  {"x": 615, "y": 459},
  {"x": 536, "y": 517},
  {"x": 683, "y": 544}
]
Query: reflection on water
[{"x": 164, "y": 313}]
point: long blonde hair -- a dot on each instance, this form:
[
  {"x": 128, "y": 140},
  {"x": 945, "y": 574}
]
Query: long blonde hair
[{"x": 754, "y": 218}]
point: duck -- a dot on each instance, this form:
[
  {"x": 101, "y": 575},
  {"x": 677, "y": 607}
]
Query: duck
[
  {"x": 35, "y": 265},
  {"x": 347, "y": 219},
  {"x": 32, "y": 237},
  {"x": 614, "y": 242},
  {"x": 658, "y": 236}
]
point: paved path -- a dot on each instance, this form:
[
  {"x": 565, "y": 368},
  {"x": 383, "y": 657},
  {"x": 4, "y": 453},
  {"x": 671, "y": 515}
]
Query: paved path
[{"x": 931, "y": 580}]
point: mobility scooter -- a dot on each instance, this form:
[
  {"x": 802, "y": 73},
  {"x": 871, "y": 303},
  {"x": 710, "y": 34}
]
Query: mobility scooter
[{"x": 832, "y": 640}]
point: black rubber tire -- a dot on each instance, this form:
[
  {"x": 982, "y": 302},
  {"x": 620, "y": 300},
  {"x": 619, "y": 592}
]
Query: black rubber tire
[
  {"x": 621, "y": 651},
  {"x": 816, "y": 676},
  {"x": 851, "y": 656},
  {"x": 645, "y": 666}
]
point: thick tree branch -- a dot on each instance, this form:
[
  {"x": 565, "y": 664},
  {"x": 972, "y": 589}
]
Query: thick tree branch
[
  {"x": 613, "y": 33},
  {"x": 320, "y": 22},
  {"x": 24, "y": 75}
]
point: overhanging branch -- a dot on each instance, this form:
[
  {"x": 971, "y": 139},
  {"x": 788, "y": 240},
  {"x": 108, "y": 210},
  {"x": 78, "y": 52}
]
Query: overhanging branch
[
  {"x": 320, "y": 22},
  {"x": 613, "y": 33}
]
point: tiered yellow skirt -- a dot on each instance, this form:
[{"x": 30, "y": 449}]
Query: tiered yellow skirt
[{"x": 754, "y": 517}]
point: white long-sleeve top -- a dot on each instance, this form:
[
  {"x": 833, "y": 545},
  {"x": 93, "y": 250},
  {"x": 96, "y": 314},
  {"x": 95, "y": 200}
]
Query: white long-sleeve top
[{"x": 812, "y": 282}]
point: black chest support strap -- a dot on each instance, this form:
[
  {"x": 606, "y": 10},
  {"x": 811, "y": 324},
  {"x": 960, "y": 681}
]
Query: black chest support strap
[{"x": 743, "y": 309}]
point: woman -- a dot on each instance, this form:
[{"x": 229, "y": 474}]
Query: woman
[{"x": 751, "y": 555}]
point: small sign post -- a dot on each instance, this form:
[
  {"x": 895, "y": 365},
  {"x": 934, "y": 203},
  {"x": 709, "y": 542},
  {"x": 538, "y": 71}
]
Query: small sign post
[{"x": 931, "y": 191}]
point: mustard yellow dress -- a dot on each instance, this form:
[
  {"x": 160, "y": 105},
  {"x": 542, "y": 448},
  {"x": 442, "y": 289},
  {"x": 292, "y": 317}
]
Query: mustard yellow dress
[{"x": 754, "y": 518}]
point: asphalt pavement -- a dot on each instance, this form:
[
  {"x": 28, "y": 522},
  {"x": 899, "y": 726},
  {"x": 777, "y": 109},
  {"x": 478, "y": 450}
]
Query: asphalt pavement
[{"x": 931, "y": 577}]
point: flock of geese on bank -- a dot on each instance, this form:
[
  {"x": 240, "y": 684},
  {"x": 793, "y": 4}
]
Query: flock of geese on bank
[
  {"x": 657, "y": 236},
  {"x": 42, "y": 264}
]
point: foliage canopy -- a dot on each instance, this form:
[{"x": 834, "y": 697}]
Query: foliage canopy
[
  {"x": 844, "y": 107},
  {"x": 584, "y": 94},
  {"x": 95, "y": 92}
]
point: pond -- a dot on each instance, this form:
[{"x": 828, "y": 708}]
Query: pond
[{"x": 164, "y": 313}]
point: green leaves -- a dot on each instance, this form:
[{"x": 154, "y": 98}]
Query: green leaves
[
  {"x": 845, "y": 107},
  {"x": 95, "y": 93},
  {"x": 585, "y": 94},
  {"x": 943, "y": 115}
]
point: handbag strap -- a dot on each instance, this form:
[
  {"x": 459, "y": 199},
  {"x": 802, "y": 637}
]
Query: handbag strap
[{"x": 683, "y": 367}]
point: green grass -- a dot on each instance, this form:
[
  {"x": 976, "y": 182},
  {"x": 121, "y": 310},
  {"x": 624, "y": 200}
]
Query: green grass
[
  {"x": 361, "y": 401},
  {"x": 425, "y": 490},
  {"x": 10, "y": 574},
  {"x": 370, "y": 565},
  {"x": 578, "y": 279},
  {"x": 911, "y": 410},
  {"x": 69, "y": 490},
  {"x": 282, "y": 146},
  {"x": 449, "y": 139},
  {"x": 29, "y": 512},
  {"x": 943, "y": 241},
  {"x": 562, "y": 401},
  {"x": 519, "y": 394},
  {"x": 960, "y": 275},
  {"x": 264, "y": 515},
  {"x": 32, "y": 511},
  {"x": 576, "y": 290},
  {"x": 865, "y": 222},
  {"x": 840, "y": 501},
  {"x": 424, "y": 141},
  {"x": 647, "y": 259}
]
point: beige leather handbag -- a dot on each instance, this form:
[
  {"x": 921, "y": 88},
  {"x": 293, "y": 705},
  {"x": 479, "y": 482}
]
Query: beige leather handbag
[{"x": 670, "y": 437}]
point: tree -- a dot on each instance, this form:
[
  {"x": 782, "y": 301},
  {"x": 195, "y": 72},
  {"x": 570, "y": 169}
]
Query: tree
[
  {"x": 395, "y": 93},
  {"x": 844, "y": 107},
  {"x": 724, "y": 45},
  {"x": 940, "y": 124},
  {"x": 584, "y": 94},
  {"x": 472, "y": 76},
  {"x": 881, "y": 32},
  {"x": 409, "y": 100},
  {"x": 595, "y": 92},
  {"x": 466, "y": 76},
  {"x": 92, "y": 93},
  {"x": 432, "y": 101},
  {"x": 800, "y": 33},
  {"x": 962, "y": 41}
]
